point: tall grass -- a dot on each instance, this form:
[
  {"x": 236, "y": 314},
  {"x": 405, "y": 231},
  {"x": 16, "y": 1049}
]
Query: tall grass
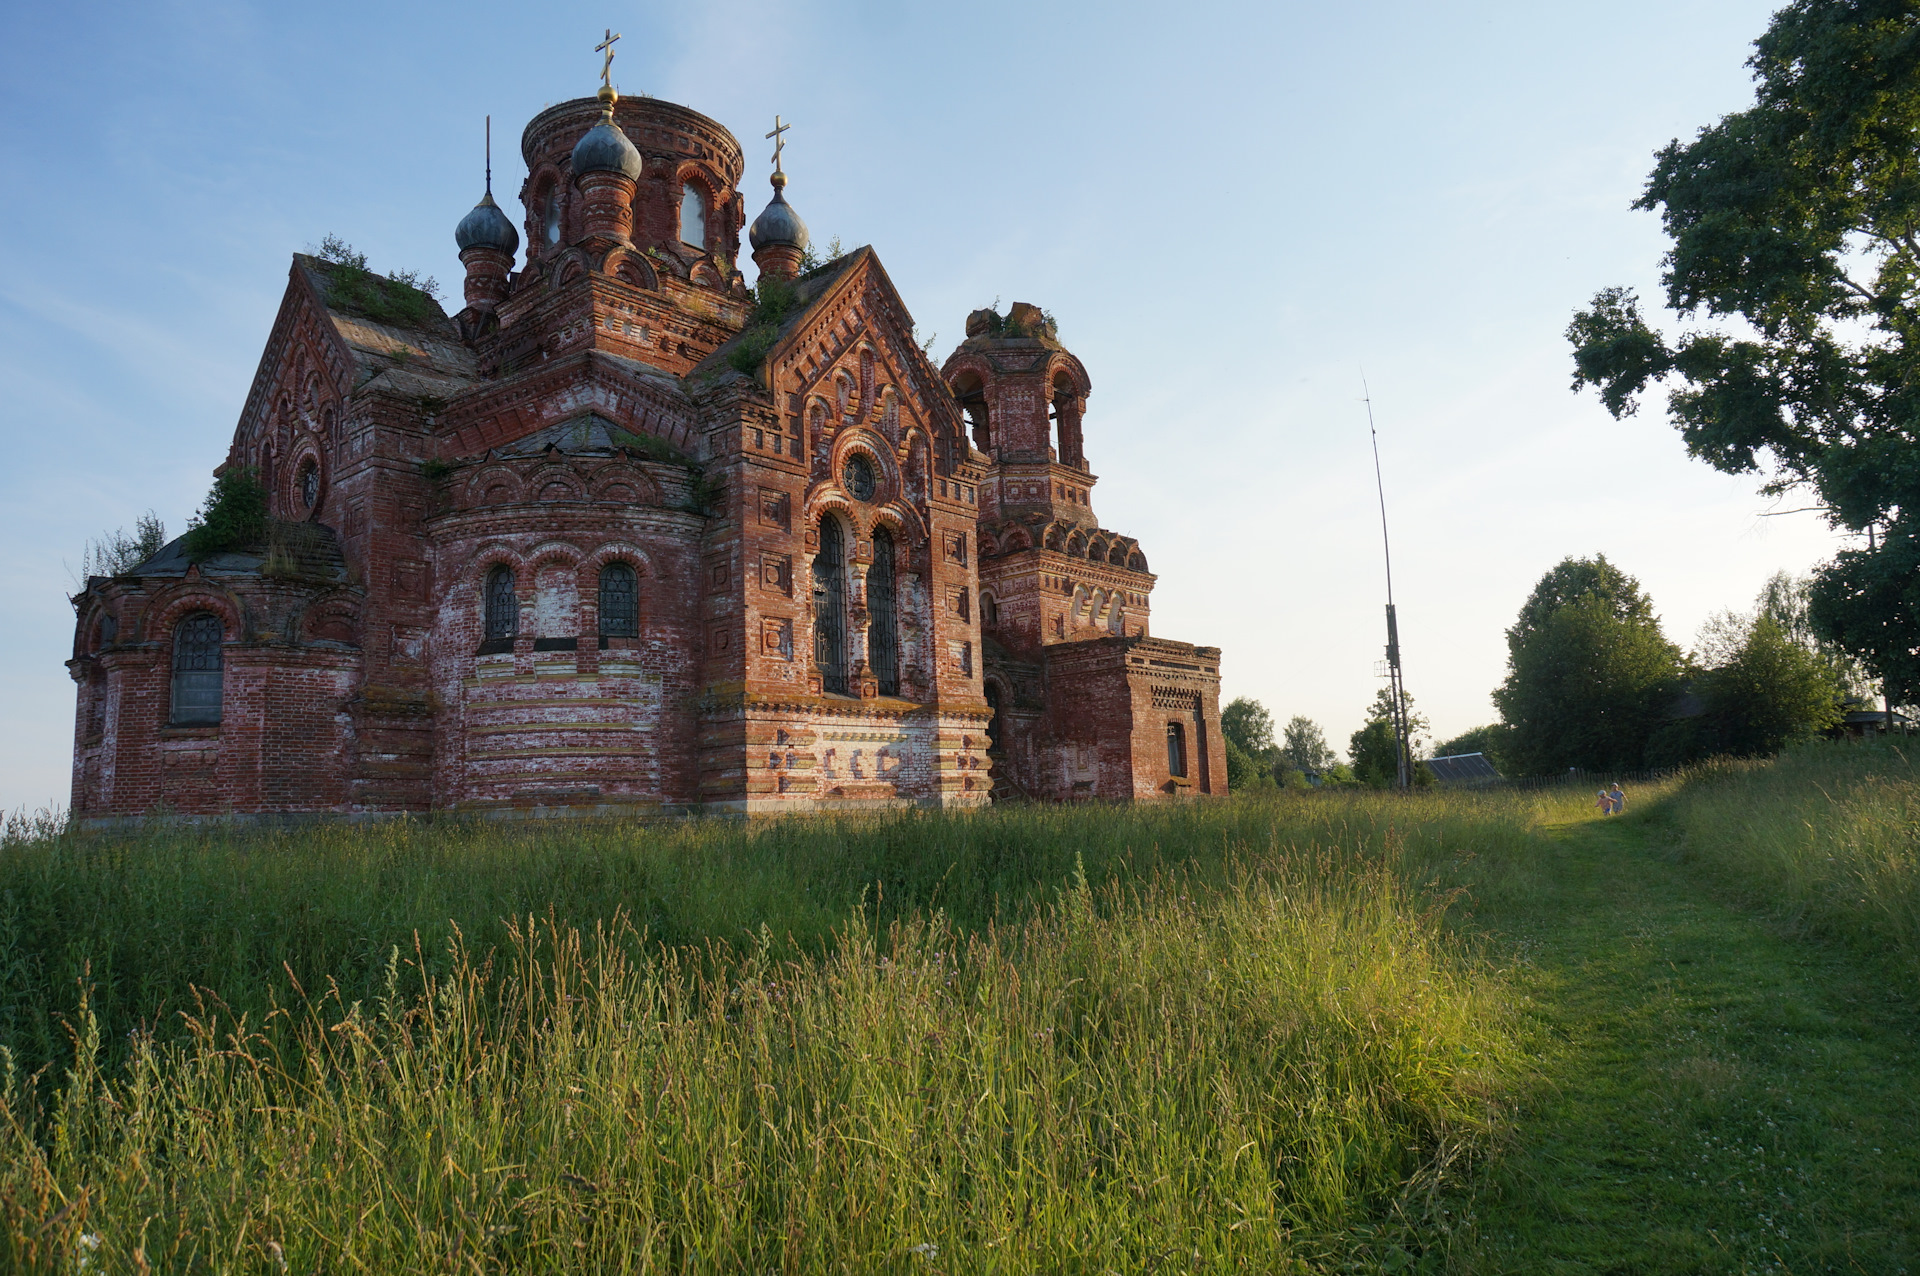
[
  {"x": 141, "y": 922},
  {"x": 1827, "y": 832},
  {"x": 1236, "y": 1038}
]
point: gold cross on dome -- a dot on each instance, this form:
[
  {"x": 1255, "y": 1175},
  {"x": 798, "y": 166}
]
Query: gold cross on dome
[
  {"x": 606, "y": 67},
  {"x": 778, "y": 142}
]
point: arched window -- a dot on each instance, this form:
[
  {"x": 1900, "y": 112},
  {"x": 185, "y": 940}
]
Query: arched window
[
  {"x": 1176, "y": 750},
  {"x": 989, "y": 611},
  {"x": 196, "y": 670},
  {"x": 619, "y": 602},
  {"x": 553, "y": 216},
  {"x": 830, "y": 607},
  {"x": 693, "y": 216},
  {"x": 503, "y": 605},
  {"x": 972, "y": 394},
  {"x": 883, "y": 638}
]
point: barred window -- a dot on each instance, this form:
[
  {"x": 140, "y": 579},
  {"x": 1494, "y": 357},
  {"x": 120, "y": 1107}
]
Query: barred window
[
  {"x": 619, "y": 602},
  {"x": 503, "y": 604},
  {"x": 196, "y": 670},
  {"x": 883, "y": 636}
]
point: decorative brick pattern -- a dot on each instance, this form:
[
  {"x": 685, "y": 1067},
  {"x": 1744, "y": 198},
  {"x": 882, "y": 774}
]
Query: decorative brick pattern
[{"x": 587, "y": 412}]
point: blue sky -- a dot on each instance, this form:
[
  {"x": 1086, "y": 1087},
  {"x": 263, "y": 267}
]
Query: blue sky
[{"x": 1235, "y": 210}]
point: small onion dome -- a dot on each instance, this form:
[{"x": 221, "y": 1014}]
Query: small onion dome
[
  {"x": 605, "y": 149},
  {"x": 778, "y": 224},
  {"x": 487, "y": 227}
]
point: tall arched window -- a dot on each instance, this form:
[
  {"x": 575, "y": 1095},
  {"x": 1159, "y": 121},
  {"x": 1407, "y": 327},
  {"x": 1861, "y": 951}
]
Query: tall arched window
[
  {"x": 693, "y": 216},
  {"x": 883, "y": 636},
  {"x": 830, "y": 607},
  {"x": 989, "y": 611},
  {"x": 619, "y": 602},
  {"x": 503, "y": 605},
  {"x": 553, "y": 216},
  {"x": 1176, "y": 750},
  {"x": 196, "y": 670}
]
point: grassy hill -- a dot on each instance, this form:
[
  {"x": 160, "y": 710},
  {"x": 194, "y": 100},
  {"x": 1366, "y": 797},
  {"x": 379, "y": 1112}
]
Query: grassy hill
[{"x": 1312, "y": 1032}]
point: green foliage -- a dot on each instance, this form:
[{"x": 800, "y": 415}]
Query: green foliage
[
  {"x": 1245, "y": 771},
  {"x": 1590, "y": 675},
  {"x": 1797, "y": 217},
  {"x": 1246, "y": 722},
  {"x": 1305, "y": 746},
  {"x": 234, "y": 516},
  {"x": 1490, "y": 740},
  {"x": 1375, "y": 749},
  {"x": 774, "y": 301},
  {"x": 434, "y": 470},
  {"x": 1771, "y": 692},
  {"x": 117, "y": 552},
  {"x": 402, "y": 298}
]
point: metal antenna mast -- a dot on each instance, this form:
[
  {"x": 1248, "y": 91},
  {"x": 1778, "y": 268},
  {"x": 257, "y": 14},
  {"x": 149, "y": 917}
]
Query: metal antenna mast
[{"x": 1396, "y": 684}]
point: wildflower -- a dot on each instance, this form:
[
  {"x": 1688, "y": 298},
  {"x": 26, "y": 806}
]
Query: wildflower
[{"x": 925, "y": 1249}]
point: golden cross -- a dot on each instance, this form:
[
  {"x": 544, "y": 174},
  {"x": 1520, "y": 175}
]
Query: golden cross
[
  {"x": 778, "y": 141},
  {"x": 606, "y": 47}
]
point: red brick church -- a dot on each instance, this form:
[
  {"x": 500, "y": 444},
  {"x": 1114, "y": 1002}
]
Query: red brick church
[{"x": 623, "y": 534}]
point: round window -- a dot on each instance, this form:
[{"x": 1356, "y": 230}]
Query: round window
[
  {"x": 858, "y": 477},
  {"x": 310, "y": 484}
]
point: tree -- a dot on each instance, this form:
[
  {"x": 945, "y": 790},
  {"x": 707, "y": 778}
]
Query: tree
[
  {"x": 1770, "y": 691},
  {"x": 234, "y": 516},
  {"x": 1373, "y": 748},
  {"x": 1800, "y": 218},
  {"x": 1590, "y": 675},
  {"x": 1305, "y": 746},
  {"x": 117, "y": 552},
  {"x": 1490, "y": 740},
  {"x": 1246, "y": 722}
]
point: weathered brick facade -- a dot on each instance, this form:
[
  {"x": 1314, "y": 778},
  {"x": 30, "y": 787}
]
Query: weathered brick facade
[{"x": 610, "y": 539}]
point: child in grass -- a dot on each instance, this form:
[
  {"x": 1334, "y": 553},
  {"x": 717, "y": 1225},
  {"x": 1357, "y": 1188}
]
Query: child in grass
[
  {"x": 1618, "y": 798},
  {"x": 1605, "y": 803}
]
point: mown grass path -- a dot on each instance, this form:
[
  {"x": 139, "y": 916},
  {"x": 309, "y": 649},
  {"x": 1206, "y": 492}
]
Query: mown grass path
[{"x": 1715, "y": 1094}]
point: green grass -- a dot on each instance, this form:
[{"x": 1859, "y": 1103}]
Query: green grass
[
  {"x": 1327, "y": 1032},
  {"x": 1209, "y": 1037}
]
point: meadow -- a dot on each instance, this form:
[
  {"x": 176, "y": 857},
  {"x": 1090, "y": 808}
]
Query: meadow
[{"x": 1317, "y": 1032}]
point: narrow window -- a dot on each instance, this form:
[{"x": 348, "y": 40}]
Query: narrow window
[
  {"x": 196, "y": 670},
  {"x": 966, "y": 603},
  {"x": 1176, "y": 750},
  {"x": 553, "y": 217},
  {"x": 966, "y": 659},
  {"x": 989, "y": 611},
  {"x": 883, "y": 639},
  {"x": 829, "y": 608},
  {"x": 619, "y": 602},
  {"x": 1200, "y": 742},
  {"x": 503, "y": 605},
  {"x": 693, "y": 216}
]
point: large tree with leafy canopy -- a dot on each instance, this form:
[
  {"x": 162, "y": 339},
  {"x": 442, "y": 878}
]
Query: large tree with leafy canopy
[
  {"x": 1590, "y": 675},
  {"x": 1795, "y": 260}
]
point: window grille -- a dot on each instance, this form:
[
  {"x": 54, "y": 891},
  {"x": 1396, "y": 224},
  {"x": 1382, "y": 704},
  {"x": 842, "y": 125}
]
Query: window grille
[
  {"x": 196, "y": 670},
  {"x": 883, "y": 638},
  {"x": 1176, "y": 750},
  {"x": 693, "y": 216},
  {"x": 503, "y": 604},
  {"x": 310, "y": 485},
  {"x": 829, "y": 608},
  {"x": 619, "y": 602}
]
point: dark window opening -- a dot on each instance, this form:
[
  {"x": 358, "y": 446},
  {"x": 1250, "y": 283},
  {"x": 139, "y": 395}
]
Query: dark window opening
[
  {"x": 310, "y": 485},
  {"x": 1176, "y": 750},
  {"x": 196, "y": 670},
  {"x": 989, "y": 611},
  {"x": 619, "y": 601},
  {"x": 830, "y": 608},
  {"x": 883, "y": 638},
  {"x": 502, "y": 606},
  {"x": 858, "y": 476}
]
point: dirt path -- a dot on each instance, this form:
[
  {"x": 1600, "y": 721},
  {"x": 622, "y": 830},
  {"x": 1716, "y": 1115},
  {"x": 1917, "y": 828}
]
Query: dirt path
[{"x": 1715, "y": 1095}]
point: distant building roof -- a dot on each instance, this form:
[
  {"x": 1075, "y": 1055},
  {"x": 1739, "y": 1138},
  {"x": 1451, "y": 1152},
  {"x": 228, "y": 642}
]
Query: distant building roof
[{"x": 1463, "y": 768}]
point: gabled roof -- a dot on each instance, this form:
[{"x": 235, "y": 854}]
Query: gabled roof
[
  {"x": 808, "y": 290},
  {"x": 395, "y": 334}
]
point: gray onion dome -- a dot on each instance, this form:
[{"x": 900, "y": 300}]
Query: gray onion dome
[
  {"x": 605, "y": 149},
  {"x": 487, "y": 227},
  {"x": 778, "y": 223}
]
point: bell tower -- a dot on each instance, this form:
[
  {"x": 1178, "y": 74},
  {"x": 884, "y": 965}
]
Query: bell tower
[{"x": 1049, "y": 573}]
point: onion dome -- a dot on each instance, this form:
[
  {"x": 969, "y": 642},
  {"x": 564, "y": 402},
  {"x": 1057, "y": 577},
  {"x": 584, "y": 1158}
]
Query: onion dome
[
  {"x": 778, "y": 225},
  {"x": 487, "y": 227},
  {"x": 605, "y": 149}
]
